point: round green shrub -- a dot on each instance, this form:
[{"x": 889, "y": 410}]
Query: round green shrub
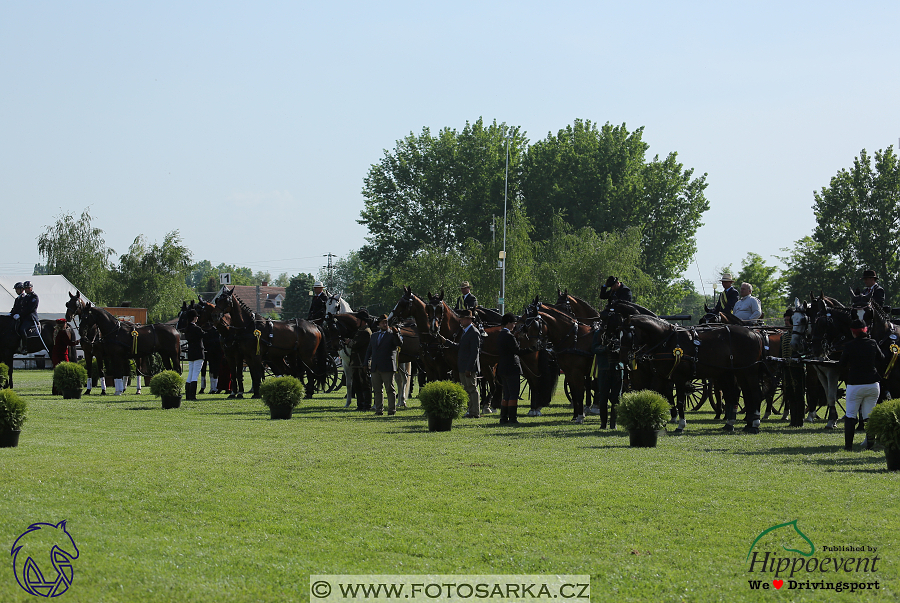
[
  {"x": 4, "y": 375},
  {"x": 281, "y": 391},
  {"x": 884, "y": 424},
  {"x": 643, "y": 409},
  {"x": 167, "y": 383},
  {"x": 68, "y": 376},
  {"x": 443, "y": 399},
  {"x": 12, "y": 410}
]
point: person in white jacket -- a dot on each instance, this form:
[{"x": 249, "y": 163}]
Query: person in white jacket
[{"x": 747, "y": 307}]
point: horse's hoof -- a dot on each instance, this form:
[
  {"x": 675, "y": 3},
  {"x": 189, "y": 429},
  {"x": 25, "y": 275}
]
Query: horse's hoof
[
  {"x": 717, "y": 418},
  {"x": 766, "y": 416},
  {"x": 678, "y": 431},
  {"x": 231, "y": 397},
  {"x": 728, "y": 428},
  {"x": 255, "y": 397},
  {"x": 750, "y": 429},
  {"x": 240, "y": 396},
  {"x": 534, "y": 413}
]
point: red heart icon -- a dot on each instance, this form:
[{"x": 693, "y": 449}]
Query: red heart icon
[{"x": 777, "y": 584}]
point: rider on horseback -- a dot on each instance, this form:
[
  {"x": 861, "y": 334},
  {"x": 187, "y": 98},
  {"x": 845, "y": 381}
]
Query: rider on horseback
[{"x": 24, "y": 310}]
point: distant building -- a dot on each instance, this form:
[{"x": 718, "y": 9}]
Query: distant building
[{"x": 270, "y": 298}]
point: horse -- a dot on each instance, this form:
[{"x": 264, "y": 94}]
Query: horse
[
  {"x": 10, "y": 341},
  {"x": 296, "y": 347},
  {"x": 431, "y": 352},
  {"x": 335, "y": 304},
  {"x": 669, "y": 354},
  {"x": 542, "y": 325},
  {"x": 829, "y": 331},
  {"x": 124, "y": 340},
  {"x": 575, "y": 306}
]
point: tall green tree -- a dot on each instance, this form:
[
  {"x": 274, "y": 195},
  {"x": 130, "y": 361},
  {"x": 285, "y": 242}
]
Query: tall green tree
[
  {"x": 809, "y": 269},
  {"x": 599, "y": 177},
  {"x": 437, "y": 190},
  {"x": 76, "y": 249},
  {"x": 296, "y": 297},
  {"x": 858, "y": 218},
  {"x": 154, "y": 276}
]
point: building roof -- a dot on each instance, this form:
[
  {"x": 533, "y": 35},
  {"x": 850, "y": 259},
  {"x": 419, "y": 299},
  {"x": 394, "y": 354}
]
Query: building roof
[
  {"x": 52, "y": 291},
  {"x": 267, "y": 296}
]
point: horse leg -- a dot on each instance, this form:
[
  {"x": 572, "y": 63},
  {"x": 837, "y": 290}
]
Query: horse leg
[
  {"x": 752, "y": 399},
  {"x": 202, "y": 378},
  {"x": 730, "y": 394},
  {"x": 680, "y": 402},
  {"x": 577, "y": 388}
]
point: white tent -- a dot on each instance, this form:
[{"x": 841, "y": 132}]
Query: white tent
[{"x": 52, "y": 291}]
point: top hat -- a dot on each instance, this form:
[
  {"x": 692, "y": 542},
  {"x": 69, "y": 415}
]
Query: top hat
[
  {"x": 612, "y": 280},
  {"x": 727, "y": 277},
  {"x": 870, "y": 274},
  {"x": 466, "y": 314}
]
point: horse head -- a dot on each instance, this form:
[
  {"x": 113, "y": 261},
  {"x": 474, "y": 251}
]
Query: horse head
[
  {"x": 40, "y": 541},
  {"x": 434, "y": 311},
  {"x": 74, "y": 306}
]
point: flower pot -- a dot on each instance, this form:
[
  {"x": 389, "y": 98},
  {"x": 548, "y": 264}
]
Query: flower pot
[
  {"x": 171, "y": 401},
  {"x": 9, "y": 438},
  {"x": 643, "y": 438},
  {"x": 71, "y": 394},
  {"x": 892, "y": 455},
  {"x": 281, "y": 412},
  {"x": 439, "y": 423}
]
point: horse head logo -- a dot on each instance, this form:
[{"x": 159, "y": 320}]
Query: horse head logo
[
  {"x": 54, "y": 548},
  {"x": 790, "y": 531}
]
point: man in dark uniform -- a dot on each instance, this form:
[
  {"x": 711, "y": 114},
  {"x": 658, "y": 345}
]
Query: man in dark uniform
[
  {"x": 610, "y": 374},
  {"x": 382, "y": 353},
  {"x": 466, "y": 301},
  {"x": 16, "y": 311},
  {"x": 28, "y": 317},
  {"x": 872, "y": 288},
  {"x": 468, "y": 352},
  {"x": 509, "y": 369},
  {"x": 317, "y": 306},
  {"x": 728, "y": 297},
  {"x": 362, "y": 384},
  {"x": 615, "y": 290}
]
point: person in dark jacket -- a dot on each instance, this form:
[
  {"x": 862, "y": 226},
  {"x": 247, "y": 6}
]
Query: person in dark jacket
[
  {"x": 615, "y": 290},
  {"x": 382, "y": 353},
  {"x": 362, "y": 383},
  {"x": 27, "y": 312},
  {"x": 466, "y": 301},
  {"x": 468, "y": 362},
  {"x": 610, "y": 374},
  {"x": 509, "y": 369},
  {"x": 728, "y": 297},
  {"x": 194, "y": 336},
  {"x": 318, "y": 304},
  {"x": 860, "y": 358},
  {"x": 872, "y": 288}
]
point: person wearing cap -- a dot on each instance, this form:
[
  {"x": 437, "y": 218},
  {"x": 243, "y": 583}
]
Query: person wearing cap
[
  {"x": 729, "y": 296},
  {"x": 25, "y": 310},
  {"x": 317, "y": 305},
  {"x": 509, "y": 369},
  {"x": 468, "y": 351},
  {"x": 872, "y": 288},
  {"x": 860, "y": 357},
  {"x": 382, "y": 353},
  {"x": 16, "y": 311},
  {"x": 193, "y": 334},
  {"x": 466, "y": 301},
  {"x": 615, "y": 290},
  {"x": 747, "y": 307}
]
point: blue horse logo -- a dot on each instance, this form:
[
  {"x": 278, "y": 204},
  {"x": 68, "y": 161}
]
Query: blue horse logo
[{"x": 44, "y": 542}]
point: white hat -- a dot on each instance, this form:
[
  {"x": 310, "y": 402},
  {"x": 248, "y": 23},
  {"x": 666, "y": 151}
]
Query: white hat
[
  {"x": 727, "y": 277},
  {"x": 318, "y": 284}
]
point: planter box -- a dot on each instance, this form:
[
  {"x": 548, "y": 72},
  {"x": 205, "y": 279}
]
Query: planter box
[
  {"x": 644, "y": 438},
  {"x": 281, "y": 412},
  {"x": 9, "y": 438},
  {"x": 71, "y": 394},
  {"x": 439, "y": 424},
  {"x": 892, "y": 455},
  {"x": 171, "y": 401}
]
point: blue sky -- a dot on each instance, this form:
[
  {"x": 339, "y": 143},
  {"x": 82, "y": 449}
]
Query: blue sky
[{"x": 250, "y": 128}]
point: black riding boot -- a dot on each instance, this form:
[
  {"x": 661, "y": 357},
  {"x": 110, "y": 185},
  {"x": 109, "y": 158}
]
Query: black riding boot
[
  {"x": 190, "y": 390},
  {"x": 504, "y": 412},
  {"x": 869, "y": 442},
  {"x": 612, "y": 417},
  {"x": 511, "y": 411},
  {"x": 849, "y": 432},
  {"x": 604, "y": 414}
]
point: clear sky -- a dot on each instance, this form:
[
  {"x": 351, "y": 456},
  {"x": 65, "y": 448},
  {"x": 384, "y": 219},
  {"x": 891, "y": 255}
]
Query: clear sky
[{"x": 250, "y": 126}]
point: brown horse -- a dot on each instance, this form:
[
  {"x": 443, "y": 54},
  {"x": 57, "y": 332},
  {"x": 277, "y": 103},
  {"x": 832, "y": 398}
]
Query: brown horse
[
  {"x": 575, "y": 306},
  {"x": 431, "y": 353},
  {"x": 295, "y": 348},
  {"x": 10, "y": 341}
]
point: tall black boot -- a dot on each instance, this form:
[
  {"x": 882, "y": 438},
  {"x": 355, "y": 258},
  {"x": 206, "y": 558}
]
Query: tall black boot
[
  {"x": 869, "y": 442},
  {"x": 612, "y": 417},
  {"x": 512, "y": 410},
  {"x": 504, "y": 412},
  {"x": 849, "y": 432},
  {"x": 604, "y": 414}
]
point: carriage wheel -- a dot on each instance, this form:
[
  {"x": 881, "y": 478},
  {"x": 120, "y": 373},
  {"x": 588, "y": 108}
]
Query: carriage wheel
[
  {"x": 698, "y": 392},
  {"x": 524, "y": 388},
  {"x": 331, "y": 375}
]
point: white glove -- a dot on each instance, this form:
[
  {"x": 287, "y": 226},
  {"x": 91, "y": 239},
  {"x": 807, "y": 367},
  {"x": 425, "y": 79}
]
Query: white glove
[{"x": 16, "y": 316}]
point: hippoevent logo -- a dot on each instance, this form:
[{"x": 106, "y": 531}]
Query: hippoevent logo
[
  {"x": 42, "y": 559},
  {"x": 804, "y": 570}
]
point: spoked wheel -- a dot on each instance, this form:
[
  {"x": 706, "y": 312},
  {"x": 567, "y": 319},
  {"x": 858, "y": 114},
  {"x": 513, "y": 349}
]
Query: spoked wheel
[
  {"x": 332, "y": 377},
  {"x": 698, "y": 392}
]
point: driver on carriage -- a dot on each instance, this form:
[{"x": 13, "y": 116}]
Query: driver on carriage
[
  {"x": 728, "y": 298},
  {"x": 872, "y": 288},
  {"x": 747, "y": 308},
  {"x": 466, "y": 301},
  {"x": 318, "y": 303},
  {"x": 615, "y": 290}
]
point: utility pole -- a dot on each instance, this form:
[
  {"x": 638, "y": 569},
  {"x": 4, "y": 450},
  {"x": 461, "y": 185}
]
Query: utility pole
[{"x": 329, "y": 268}]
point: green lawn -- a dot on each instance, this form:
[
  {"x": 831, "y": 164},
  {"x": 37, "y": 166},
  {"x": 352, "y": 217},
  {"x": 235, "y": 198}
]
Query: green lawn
[{"x": 215, "y": 502}]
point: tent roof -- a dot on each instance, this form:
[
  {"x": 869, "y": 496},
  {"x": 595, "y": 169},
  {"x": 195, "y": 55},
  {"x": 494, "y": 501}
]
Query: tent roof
[{"x": 52, "y": 291}]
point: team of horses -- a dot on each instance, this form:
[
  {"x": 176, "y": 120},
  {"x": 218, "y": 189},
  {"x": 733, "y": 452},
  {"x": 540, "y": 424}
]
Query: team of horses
[{"x": 739, "y": 361}]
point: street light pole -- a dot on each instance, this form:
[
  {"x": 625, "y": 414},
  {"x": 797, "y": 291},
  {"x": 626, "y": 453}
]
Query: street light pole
[{"x": 503, "y": 253}]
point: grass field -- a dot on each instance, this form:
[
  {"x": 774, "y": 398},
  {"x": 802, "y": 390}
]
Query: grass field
[{"x": 215, "y": 502}]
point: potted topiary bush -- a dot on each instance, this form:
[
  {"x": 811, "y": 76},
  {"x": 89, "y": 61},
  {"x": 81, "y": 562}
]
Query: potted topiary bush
[
  {"x": 169, "y": 387},
  {"x": 4, "y": 375},
  {"x": 442, "y": 402},
  {"x": 884, "y": 426},
  {"x": 644, "y": 414},
  {"x": 281, "y": 395},
  {"x": 68, "y": 379},
  {"x": 12, "y": 416}
]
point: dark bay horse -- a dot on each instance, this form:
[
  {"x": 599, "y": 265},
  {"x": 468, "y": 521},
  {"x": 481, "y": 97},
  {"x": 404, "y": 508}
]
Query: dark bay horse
[
  {"x": 731, "y": 355},
  {"x": 575, "y": 306},
  {"x": 431, "y": 352}
]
